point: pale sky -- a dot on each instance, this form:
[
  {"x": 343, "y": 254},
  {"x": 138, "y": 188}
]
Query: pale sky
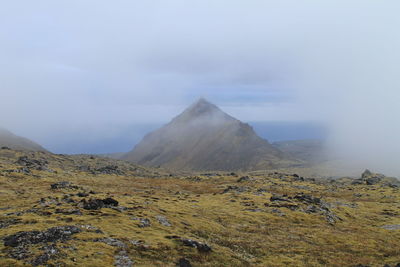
[{"x": 90, "y": 69}]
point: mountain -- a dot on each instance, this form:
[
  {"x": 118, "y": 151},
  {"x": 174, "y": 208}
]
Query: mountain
[
  {"x": 203, "y": 137},
  {"x": 10, "y": 140}
]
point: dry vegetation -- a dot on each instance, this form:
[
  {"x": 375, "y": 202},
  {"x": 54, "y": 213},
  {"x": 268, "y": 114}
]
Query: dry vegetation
[{"x": 262, "y": 220}]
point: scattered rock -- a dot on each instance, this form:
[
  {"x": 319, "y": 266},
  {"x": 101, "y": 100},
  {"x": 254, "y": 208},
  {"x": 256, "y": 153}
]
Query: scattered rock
[
  {"x": 194, "y": 178},
  {"x": 19, "y": 253},
  {"x": 110, "y": 202},
  {"x": 111, "y": 242},
  {"x": 4, "y": 223},
  {"x": 84, "y": 168},
  {"x": 90, "y": 228},
  {"x": 342, "y": 204},
  {"x": 254, "y": 210},
  {"x": 260, "y": 191},
  {"x": 366, "y": 174},
  {"x": 299, "y": 179},
  {"x": 391, "y": 227},
  {"x": 49, "y": 201},
  {"x": 302, "y": 187},
  {"x": 64, "y": 185},
  {"x": 276, "y": 197},
  {"x": 68, "y": 199},
  {"x": 82, "y": 194},
  {"x": 23, "y": 170},
  {"x": 282, "y": 204},
  {"x": 122, "y": 260},
  {"x": 136, "y": 242},
  {"x": 59, "y": 233},
  {"x": 143, "y": 222},
  {"x": 183, "y": 263},
  {"x": 202, "y": 247},
  {"x": 331, "y": 217},
  {"x": 211, "y": 174},
  {"x": 50, "y": 252},
  {"x": 96, "y": 204},
  {"x": 357, "y": 182},
  {"x": 243, "y": 179},
  {"x": 313, "y": 205},
  {"x": 40, "y": 165},
  {"x": 394, "y": 184},
  {"x": 119, "y": 208},
  {"x": 68, "y": 211},
  {"x": 278, "y": 212},
  {"x": 93, "y": 204},
  {"x": 237, "y": 189},
  {"x": 372, "y": 178},
  {"x": 110, "y": 169},
  {"x": 163, "y": 220},
  {"x": 318, "y": 206},
  {"x": 307, "y": 199}
]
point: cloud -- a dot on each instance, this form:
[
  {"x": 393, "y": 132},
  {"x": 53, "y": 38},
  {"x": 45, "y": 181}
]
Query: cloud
[{"x": 72, "y": 65}]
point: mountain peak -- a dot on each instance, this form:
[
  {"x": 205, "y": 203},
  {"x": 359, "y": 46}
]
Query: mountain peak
[
  {"x": 202, "y": 106},
  {"x": 204, "y": 137},
  {"x": 202, "y": 110},
  {"x": 203, "y": 101}
]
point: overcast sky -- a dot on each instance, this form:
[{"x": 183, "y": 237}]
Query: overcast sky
[{"x": 90, "y": 69}]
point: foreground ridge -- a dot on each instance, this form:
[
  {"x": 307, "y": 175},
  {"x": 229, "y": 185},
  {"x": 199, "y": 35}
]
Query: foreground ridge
[{"x": 58, "y": 210}]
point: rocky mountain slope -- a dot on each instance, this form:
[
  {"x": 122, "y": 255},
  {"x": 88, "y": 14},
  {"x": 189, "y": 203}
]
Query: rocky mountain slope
[
  {"x": 205, "y": 138},
  {"x": 58, "y": 210},
  {"x": 10, "y": 140}
]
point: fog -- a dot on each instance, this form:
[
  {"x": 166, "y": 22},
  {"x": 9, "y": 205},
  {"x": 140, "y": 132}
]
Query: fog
[{"x": 75, "y": 72}]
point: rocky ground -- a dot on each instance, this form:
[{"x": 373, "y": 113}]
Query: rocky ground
[{"x": 58, "y": 210}]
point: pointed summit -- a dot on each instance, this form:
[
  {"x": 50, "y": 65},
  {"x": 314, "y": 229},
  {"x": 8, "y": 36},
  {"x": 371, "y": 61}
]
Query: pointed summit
[
  {"x": 202, "y": 101},
  {"x": 201, "y": 107},
  {"x": 202, "y": 110},
  {"x": 204, "y": 137},
  {"x": 204, "y": 104}
]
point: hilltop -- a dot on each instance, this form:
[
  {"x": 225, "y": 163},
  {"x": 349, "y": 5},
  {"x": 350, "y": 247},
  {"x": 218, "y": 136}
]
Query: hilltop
[{"x": 204, "y": 137}]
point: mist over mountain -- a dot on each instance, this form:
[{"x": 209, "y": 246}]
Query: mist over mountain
[
  {"x": 10, "y": 140},
  {"x": 136, "y": 62},
  {"x": 122, "y": 138},
  {"x": 203, "y": 137},
  {"x": 312, "y": 151}
]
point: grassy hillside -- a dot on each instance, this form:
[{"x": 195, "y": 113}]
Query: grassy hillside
[{"x": 65, "y": 208}]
